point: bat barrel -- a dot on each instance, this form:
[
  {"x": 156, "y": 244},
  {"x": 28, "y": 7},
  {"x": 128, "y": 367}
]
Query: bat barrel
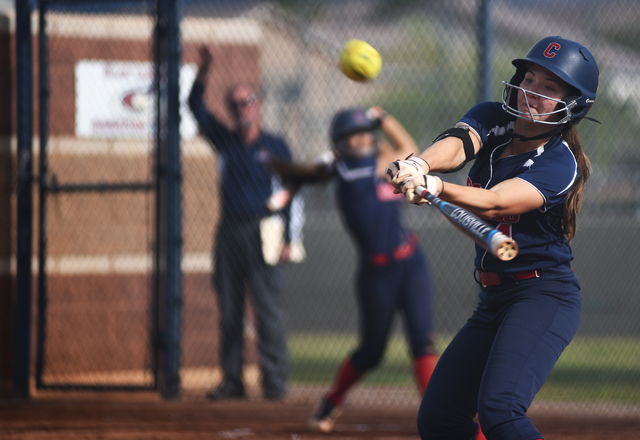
[{"x": 502, "y": 246}]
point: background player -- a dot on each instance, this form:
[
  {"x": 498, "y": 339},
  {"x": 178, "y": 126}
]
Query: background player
[
  {"x": 527, "y": 179},
  {"x": 393, "y": 273}
]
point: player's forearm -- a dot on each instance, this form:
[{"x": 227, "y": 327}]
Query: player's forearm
[
  {"x": 299, "y": 173},
  {"x": 508, "y": 198},
  {"x": 481, "y": 202}
]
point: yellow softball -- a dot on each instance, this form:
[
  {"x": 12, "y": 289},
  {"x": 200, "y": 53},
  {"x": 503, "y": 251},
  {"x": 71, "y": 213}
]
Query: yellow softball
[{"x": 360, "y": 61}]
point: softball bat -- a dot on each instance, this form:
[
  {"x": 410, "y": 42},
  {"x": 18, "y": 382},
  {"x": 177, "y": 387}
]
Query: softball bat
[{"x": 489, "y": 238}]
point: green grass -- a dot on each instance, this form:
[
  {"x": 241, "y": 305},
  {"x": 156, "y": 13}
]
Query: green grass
[
  {"x": 596, "y": 370},
  {"x": 592, "y": 369},
  {"x": 316, "y": 357}
]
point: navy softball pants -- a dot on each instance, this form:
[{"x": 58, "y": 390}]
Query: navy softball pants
[
  {"x": 500, "y": 359},
  {"x": 382, "y": 290}
]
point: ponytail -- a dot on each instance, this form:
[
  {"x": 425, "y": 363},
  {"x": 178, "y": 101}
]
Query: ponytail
[{"x": 573, "y": 202}]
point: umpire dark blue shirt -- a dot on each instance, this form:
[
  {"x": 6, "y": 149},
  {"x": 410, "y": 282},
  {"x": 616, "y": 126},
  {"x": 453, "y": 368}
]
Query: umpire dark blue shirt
[{"x": 246, "y": 180}]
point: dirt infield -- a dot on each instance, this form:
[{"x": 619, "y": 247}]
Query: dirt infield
[{"x": 136, "y": 417}]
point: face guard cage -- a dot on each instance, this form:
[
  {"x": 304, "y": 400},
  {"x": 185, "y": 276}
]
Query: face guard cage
[{"x": 565, "y": 108}]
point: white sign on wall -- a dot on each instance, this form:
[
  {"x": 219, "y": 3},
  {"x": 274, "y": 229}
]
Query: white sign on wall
[{"x": 115, "y": 100}]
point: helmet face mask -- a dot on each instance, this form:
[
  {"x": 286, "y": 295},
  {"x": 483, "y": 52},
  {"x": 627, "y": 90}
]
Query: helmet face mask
[
  {"x": 571, "y": 62},
  {"x": 563, "y": 109}
]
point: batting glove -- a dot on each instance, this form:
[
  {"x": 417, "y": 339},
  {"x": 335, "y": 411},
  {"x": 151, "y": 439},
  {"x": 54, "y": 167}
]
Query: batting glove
[
  {"x": 376, "y": 114},
  {"x": 326, "y": 158},
  {"x": 401, "y": 170},
  {"x": 433, "y": 184}
]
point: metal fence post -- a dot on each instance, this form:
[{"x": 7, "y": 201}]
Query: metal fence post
[
  {"x": 486, "y": 41},
  {"x": 169, "y": 197},
  {"x": 22, "y": 317}
]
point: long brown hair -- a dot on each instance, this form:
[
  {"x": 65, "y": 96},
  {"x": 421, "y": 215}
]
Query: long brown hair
[{"x": 573, "y": 202}]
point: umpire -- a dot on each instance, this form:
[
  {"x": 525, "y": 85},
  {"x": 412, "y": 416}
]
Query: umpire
[{"x": 246, "y": 185}]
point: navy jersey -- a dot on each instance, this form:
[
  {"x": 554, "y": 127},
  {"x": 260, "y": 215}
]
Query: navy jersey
[
  {"x": 247, "y": 182},
  {"x": 370, "y": 209},
  {"x": 551, "y": 170}
]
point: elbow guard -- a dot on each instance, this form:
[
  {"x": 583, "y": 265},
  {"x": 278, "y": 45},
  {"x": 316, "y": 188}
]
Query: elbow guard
[{"x": 461, "y": 133}]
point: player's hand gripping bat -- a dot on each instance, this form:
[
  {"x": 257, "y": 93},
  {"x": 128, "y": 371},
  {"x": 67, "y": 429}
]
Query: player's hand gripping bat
[{"x": 489, "y": 238}]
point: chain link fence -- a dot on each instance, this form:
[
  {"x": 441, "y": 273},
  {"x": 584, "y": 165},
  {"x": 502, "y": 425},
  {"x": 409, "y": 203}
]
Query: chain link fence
[{"x": 99, "y": 244}]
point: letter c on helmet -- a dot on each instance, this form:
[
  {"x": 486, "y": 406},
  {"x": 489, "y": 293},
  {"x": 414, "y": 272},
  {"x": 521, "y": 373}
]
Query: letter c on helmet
[{"x": 551, "y": 50}]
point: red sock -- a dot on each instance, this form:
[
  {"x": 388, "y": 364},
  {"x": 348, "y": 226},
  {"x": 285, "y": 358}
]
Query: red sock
[
  {"x": 423, "y": 369},
  {"x": 346, "y": 376},
  {"x": 480, "y": 435}
]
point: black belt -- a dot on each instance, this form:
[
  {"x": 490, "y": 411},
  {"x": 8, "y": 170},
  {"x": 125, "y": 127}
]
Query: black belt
[{"x": 497, "y": 278}]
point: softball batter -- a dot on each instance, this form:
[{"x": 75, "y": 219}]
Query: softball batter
[{"x": 527, "y": 179}]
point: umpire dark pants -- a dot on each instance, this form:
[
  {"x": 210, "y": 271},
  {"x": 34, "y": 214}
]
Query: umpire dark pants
[{"x": 240, "y": 267}]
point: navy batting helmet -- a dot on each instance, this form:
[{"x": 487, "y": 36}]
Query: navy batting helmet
[
  {"x": 347, "y": 122},
  {"x": 571, "y": 62}
]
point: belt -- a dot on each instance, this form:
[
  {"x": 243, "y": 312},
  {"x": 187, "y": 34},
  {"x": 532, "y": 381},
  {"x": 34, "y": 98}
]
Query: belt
[
  {"x": 404, "y": 251},
  {"x": 497, "y": 278}
]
